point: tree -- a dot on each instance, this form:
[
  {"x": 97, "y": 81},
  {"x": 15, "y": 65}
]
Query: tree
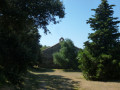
[
  {"x": 66, "y": 57},
  {"x": 100, "y": 60},
  {"x": 19, "y": 37}
]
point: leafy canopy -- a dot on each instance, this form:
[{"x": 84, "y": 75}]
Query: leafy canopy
[
  {"x": 19, "y": 37},
  {"x": 66, "y": 57}
]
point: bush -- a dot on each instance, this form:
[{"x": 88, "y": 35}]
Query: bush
[
  {"x": 66, "y": 57},
  {"x": 104, "y": 67}
]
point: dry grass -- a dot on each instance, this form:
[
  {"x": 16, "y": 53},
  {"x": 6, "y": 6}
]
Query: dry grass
[
  {"x": 58, "y": 79},
  {"x": 83, "y": 84},
  {"x": 50, "y": 80}
]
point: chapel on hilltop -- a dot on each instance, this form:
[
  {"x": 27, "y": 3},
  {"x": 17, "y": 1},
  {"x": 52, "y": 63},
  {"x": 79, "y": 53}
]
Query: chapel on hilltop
[{"x": 47, "y": 55}]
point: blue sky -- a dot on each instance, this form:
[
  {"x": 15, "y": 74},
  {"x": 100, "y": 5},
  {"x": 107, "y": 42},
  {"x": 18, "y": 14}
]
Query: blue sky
[{"x": 74, "y": 26}]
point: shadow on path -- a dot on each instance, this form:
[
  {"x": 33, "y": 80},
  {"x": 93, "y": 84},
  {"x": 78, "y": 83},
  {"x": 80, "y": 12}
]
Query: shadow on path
[
  {"x": 49, "y": 82},
  {"x": 42, "y": 70},
  {"x": 69, "y": 70}
]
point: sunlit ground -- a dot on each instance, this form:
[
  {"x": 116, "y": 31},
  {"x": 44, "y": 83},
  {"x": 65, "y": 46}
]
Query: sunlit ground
[{"x": 58, "y": 79}]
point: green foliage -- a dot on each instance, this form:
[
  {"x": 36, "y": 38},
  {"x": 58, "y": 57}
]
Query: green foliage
[
  {"x": 19, "y": 37},
  {"x": 66, "y": 57},
  {"x": 60, "y": 60},
  {"x": 100, "y": 59}
]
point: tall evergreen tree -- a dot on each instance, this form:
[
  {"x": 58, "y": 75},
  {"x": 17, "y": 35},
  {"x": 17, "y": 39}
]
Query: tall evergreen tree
[{"x": 100, "y": 59}]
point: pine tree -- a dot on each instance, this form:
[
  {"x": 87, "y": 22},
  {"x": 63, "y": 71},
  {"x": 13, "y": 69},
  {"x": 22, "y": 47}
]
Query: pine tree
[{"x": 100, "y": 60}]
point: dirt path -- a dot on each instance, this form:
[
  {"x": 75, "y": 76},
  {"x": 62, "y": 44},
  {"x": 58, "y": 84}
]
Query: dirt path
[
  {"x": 63, "y": 80},
  {"x": 81, "y": 83}
]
